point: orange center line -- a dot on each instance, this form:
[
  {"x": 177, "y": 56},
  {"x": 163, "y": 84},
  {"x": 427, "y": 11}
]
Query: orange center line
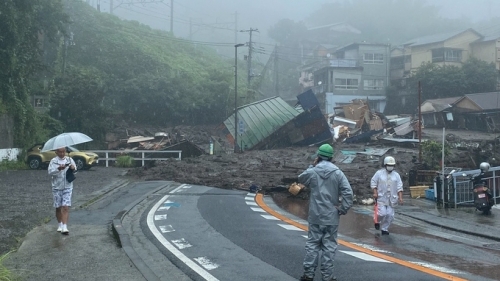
[{"x": 259, "y": 199}]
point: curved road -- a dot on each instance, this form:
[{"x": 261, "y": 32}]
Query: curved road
[{"x": 215, "y": 234}]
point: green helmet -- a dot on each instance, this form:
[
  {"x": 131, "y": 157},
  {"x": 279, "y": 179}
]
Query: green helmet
[{"x": 326, "y": 151}]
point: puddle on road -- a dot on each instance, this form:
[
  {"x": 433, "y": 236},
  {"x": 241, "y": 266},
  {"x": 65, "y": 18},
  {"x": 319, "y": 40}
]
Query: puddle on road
[{"x": 406, "y": 239}]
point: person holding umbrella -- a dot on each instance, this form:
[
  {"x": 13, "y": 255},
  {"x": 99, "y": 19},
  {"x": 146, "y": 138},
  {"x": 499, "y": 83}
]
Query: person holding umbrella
[{"x": 62, "y": 187}]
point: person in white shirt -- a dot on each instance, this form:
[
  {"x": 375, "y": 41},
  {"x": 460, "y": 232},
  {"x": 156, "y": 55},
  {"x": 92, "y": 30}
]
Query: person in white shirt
[
  {"x": 61, "y": 188},
  {"x": 388, "y": 191}
]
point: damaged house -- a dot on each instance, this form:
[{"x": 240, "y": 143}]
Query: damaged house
[
  {"x": 478, "y": 112},
  {"x": 273, "y": 123}
]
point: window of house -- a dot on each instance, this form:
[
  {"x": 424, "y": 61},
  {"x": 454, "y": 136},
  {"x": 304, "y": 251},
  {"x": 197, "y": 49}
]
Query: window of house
[
  {"x": 373, "y": 58},
  {"x": 38, "y": 103},
  {"x": 343, "y": 83},
  {"x": 373, "y": 84},
  {"x": 440, "y": 55}
]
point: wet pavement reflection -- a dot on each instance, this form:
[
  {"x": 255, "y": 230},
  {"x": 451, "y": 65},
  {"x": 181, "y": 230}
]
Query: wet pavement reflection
[{"x": 451, "y": 251}]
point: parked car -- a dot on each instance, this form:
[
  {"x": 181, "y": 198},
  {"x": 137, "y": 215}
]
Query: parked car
[{"x": 36, "y": 159}]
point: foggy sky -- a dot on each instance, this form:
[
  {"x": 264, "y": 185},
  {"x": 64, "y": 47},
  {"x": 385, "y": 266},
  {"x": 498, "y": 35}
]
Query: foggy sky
[{"x": 216, "y": 18}]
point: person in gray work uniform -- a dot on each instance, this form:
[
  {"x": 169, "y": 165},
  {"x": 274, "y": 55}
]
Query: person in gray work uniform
[{"x": 331, "y": 196}]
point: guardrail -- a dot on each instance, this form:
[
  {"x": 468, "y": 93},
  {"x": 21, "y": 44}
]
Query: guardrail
[
  {"x": 143, "y": 154},
  {"x": 461, "y": 192}
]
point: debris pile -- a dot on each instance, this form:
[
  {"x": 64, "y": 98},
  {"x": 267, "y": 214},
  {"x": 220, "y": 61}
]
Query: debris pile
[{"x": 356, "y": 123}]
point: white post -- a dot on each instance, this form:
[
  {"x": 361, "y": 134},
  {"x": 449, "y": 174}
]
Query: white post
[
  {"x": 442, "y": 167},
  {"x": 107, "y": 157},
  {"x": 143, "y": 159}
]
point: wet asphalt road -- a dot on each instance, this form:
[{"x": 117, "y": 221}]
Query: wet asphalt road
[{"x": 220, "y": 227}]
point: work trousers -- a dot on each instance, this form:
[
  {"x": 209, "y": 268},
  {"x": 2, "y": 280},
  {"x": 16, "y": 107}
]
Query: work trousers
[
  {"x": 385, "y": 216},
  {"x": 321, "y": 239}
]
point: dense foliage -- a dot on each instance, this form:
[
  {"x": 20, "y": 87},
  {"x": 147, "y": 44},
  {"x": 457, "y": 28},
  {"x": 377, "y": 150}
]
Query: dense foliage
[
  {"x": 96, "y": 69},
  {"x": 25, "y": 25},
  {"x": 126, "y": 70},
  {"x": 475, "y": 76}
]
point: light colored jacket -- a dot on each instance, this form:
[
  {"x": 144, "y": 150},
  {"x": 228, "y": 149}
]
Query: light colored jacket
[
  {"x": 59, "y": 181},
  {"x": 330, "y": 193},
  {"x": 388, "y": 185}
]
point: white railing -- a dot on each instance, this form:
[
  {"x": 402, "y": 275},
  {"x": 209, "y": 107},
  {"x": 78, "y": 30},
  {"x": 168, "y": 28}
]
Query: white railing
[{"x": 143, "y": 153}]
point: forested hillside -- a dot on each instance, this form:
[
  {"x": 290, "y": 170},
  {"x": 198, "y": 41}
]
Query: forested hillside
[{"x": 96, "y": 69}]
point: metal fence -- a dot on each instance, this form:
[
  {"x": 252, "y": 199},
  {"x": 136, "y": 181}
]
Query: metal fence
[
  {"x": 459, "y": 187},
  {"x": 145, "y": 155}
]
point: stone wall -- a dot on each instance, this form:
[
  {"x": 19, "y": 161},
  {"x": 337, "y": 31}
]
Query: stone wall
[{"x": 6, "y": 131}]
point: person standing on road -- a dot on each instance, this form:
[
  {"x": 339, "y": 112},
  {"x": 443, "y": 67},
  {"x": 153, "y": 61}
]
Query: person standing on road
[
  {"x": 388, "y": 191},
  {"x": 331, "y": 196},
  {"x": 61, "y": 188}
]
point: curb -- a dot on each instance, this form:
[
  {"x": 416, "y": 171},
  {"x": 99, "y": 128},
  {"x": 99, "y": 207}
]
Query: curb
[
  {"x": 107, "y": 189},
  {"x": 123, "y": 237},
  {"x": 474, "y": 233}
]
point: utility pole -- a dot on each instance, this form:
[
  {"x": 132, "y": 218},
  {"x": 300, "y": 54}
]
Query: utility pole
[
  {"x": 111, "y": 6},
  {"x": 276, "y": 76},
  {"x": 249, "y": 59},
  {"x": 99, "y": 6},
  {"x": 236, "y": 27},
  {"x": 172, "y": 16},
  {"x": 420, "y": 123}
]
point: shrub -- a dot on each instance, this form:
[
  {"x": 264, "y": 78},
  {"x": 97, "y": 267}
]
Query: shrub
[
  {"x": 125, "y": 161},
  {"x": 431, "y": 153},
  {"x": 12, "y": 165}
]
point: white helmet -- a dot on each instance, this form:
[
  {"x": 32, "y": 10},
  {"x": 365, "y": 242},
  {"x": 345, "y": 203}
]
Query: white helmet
[
  {"x": 485, "y": 167},
  {"x": 389, "y": 160}
]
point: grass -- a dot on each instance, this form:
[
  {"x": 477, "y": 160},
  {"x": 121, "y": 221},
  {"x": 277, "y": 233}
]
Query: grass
[
  {"x": 6, "y": 165},
  {"x": 6, "y": 274},
  {"x": 125, "y": 161}
]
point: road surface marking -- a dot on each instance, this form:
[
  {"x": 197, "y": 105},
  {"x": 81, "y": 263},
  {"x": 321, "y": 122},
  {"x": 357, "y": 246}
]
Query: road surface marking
[
  {"x": 251, "y": 203},
  {"x": 163, "y": 208},
  {"x": 259, "y": 198},
  {"x": 290, "y": 227},
  {"x": 371, "y": 248},
  {"x": 257, "y": 210},
  {"x": 364, "y": 256},
  {"x": 250, "y": 194},
  {"x": 435, "y": 267},
  {"x": 166, "y": 228},
  {"x": 160, "y": 217},
  {"x": 250, "y": 198},
  {"x": 268, "y": 217},
  {"x": 181, "y": 243},
  {"x": 159, "y": 236},
  {"x": 206, "y": 263}
]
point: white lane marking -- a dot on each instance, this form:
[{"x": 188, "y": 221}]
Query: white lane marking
[
  {"x": 250, "y": 198},
  {"x": 206, "y": 263},
  {"x": 290, "y": 227},
  {"x": 181, "y": 243},
  {"x": 198, "y": 269},
  {"x": 305, "y": 236},
  {"x": 251, "y": 203},
  {"x": 364, "y": 256},
  {"x": 268, "y": 217},
  {"x": 257, "y": 210},
  {"x": 438, "y": 268},
  {"x": 251, "y": 194},
  {"x": 371, "y": 248},
  {"x": 166, "y": 228},
  {"x": 163, "y": 208},
  {"x": 160, "y": 217},
  {"x": 182, "y": 186}
]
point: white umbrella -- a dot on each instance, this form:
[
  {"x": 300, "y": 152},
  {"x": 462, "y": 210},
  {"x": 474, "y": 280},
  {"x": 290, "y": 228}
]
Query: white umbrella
[{"x": 65, "y": 140}]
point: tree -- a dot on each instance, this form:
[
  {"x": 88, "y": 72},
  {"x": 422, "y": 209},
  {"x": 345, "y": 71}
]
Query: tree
[
  {"x": 24, "y": 25},
  {"x": 475, "y": 76},
  {"x": 78, "y": 102}
]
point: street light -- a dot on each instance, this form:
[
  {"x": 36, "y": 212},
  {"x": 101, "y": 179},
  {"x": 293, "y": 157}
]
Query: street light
[{"x": 236, "y": 96}]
